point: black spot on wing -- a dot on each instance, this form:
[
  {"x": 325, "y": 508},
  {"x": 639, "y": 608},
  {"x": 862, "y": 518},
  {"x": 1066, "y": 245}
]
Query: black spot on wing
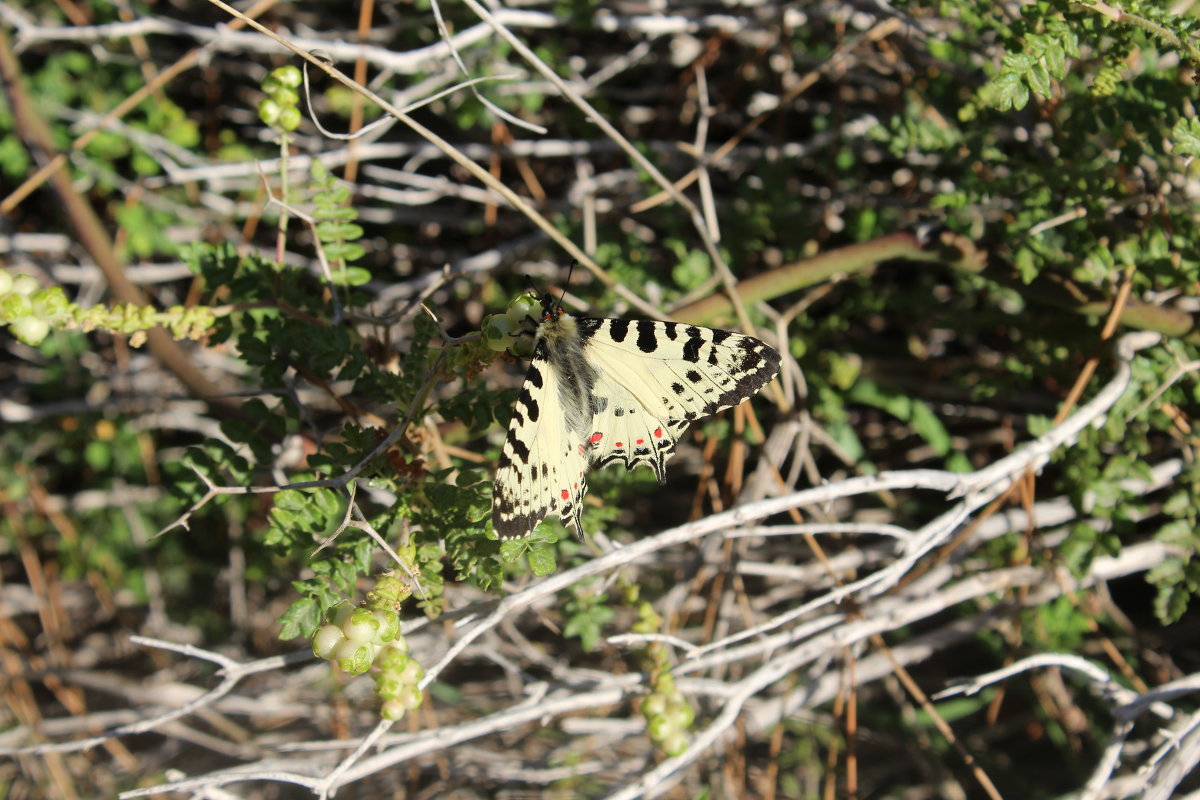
[
  {"x": 719, "y": 337},
  {"x": 693, "y": 376},
  {"x": 587, "y": 326},
  {"x": 671, "y": 330},
  {"x": 647, "y": 342},
  {"x": 677, "y": 388},
  {"x": 691, "y": 348},
  {"x": 618, "y": 329},
  {"x": 530, "y": 405},
  {"x": 518, "y": 448},
  {"x": 534, "y": 376}
]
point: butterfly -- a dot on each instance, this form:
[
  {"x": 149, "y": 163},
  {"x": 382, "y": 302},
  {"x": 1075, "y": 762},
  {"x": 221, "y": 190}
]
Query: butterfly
[{"x": 605, "y": 390}]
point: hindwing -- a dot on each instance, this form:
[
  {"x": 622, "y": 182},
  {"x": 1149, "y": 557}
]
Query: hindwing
[{"x": 541, "y": 466}]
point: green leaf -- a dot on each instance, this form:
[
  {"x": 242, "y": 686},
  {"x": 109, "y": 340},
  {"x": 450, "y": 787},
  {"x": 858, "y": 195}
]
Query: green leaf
[
  {"x": 351, "y": 276},
  {"x": 1056, "y": 61},
  {"x": 301, "y": 619},
  {"x": 542, "y": 562},
  {"x": 1185, "y": 137},
  {"x": 1039, "y": 80}
]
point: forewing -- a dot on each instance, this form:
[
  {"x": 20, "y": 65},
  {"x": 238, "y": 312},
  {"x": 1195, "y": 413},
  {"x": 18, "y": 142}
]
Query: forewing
[
  {"x": 656, "y": 377},
  {"x": 540, "y": 468}
]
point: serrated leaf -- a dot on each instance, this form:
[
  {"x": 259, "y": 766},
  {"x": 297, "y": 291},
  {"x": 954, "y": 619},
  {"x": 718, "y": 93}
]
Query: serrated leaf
[
  {"x": 542, "y": 562},
  {"x": 1018, "y": 62},
  {"x": 1055, "y": 60},
  {"x": 1039, "y": 80},
  {"x": 301, "y": 619},
  {"x": 511, "y": 550},
  {"x": 1185, "y": 137},
  {"x": 1010, "y": 92}
]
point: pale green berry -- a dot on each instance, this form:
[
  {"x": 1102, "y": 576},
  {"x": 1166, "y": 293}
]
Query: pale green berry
[
  {"x": 392, "y": 710},
  {"x": 287, "y": 76},
  {"x": 412, "y": 672},
  {"x": 25, "y": 285},
  {"x": 389, "y": 625},
  {"x": 654, "y": 705},
  {"x": 525, "y": 305},
  {"x": 268, "y": 111},
  {"x": 354, "y": 658},
  {"x": 497, "y": 334},
  {"x": 681, "y": 713},
  {"x": 674, "y": 744},
  {"x": 15, "y": 306},
  {"x": 326, "y": 641},
  {"x": 389, "y": 687},
  {"x": 284, "y": 96},
  {"x": 289, "y": 118},
  {"x": 362, "y": 626},
  {"x": 340, "y": 613},
  {"x": 411, "y": 696},
  {"x": 660, "y": 726},
  {"x": 31, "y": 330}
]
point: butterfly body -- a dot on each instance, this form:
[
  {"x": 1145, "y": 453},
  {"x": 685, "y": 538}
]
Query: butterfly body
[{"x": 604, "y": 390}]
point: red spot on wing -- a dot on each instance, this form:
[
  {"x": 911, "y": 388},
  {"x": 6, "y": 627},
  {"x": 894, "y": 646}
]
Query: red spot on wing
[
  {"x": 566, "y": 495},
  {"x": 618, "y": 444},
  {"x": 577, "y": 486},
  {"x": 596, "y": 437},
  {"x": 658, "y": 433},
  {"x": 640, "y": 441}
]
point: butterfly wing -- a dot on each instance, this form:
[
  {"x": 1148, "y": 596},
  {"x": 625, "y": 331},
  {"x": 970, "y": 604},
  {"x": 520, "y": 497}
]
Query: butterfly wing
[
  {"x": 541, "y": 465},
  {"x": 656, "y": 377}
]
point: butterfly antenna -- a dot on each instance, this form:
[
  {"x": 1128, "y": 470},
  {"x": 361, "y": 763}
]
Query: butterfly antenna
[{"x": 570, "y": 271}]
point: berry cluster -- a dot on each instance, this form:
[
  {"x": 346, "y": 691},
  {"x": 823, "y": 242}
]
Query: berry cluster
[
  {"x": 357, "y": 639},
  {"x": 31, "y": 312},
  {"x": 668, "y": 713},
  {"x": 280, "y": 108},
  {"x": 513, "y": 330},
  {"x": 28, "y": 309}
]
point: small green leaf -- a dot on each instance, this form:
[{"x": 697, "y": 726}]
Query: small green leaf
[
  {"x": 301, "y": 619},
  {"x": 1039, "y": 80},
  {"x": 1055, "y": 61},
  {"x": 351, "y": 276},
  {"x": 1186, "y": 137},
  {"x": 541, "y": 561}
]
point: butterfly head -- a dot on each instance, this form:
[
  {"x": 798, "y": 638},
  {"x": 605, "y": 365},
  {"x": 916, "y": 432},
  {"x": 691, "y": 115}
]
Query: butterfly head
[{"x": 551, "y": 307}]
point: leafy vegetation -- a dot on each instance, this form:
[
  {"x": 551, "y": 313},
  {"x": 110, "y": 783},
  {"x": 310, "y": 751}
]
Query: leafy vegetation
[{"x": 947, "y": 230}]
